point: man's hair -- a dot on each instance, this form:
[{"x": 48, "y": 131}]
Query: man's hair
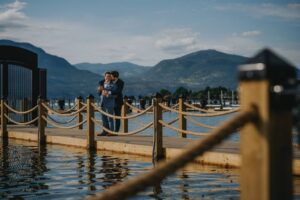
[
  {"x": 115, "y": 73},
  {"x": 107, "y": 73}
]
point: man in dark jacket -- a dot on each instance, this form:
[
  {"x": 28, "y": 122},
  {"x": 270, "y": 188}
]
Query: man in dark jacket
[{"x": 119, "y": 97}]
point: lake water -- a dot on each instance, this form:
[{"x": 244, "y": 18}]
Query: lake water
[{"x": 60, "y": 172}]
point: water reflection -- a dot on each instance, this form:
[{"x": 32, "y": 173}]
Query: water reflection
[
  {"x": 114, "y": 170},
  {"x": 58, "y": 172},
  {"x": 184, "y": 185},
  {"x": 21, "y": 170}
]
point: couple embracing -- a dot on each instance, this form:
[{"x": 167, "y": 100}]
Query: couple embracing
[{"x": 111, "y": 100}]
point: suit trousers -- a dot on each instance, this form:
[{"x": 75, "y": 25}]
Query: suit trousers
[
  {"x": 108, "y": 122},
  {"x": 117, "y": 110}
]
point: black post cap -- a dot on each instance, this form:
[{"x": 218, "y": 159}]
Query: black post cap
[
  {"x": 157, "y": 95},
  {"x": 182, "y": 96},
  {"x": 90, "y": 96},
  {"x": 281, "y": 75},
  {"x": 267, "y": 65}
]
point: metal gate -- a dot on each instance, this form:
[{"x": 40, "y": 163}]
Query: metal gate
[{"x": 21, "y": 80}]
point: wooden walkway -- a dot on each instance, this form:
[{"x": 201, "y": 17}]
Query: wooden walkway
[{"x": 225, "y": 154}]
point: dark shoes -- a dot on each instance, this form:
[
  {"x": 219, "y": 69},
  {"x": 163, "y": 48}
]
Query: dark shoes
[
  {"x": 102, "y": 134},
  {"x": 105, "y": 134}
]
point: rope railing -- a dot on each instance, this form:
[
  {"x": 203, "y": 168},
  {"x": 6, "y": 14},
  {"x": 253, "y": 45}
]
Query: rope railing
[
  {"x": 134, "y": 109},
  {"x": 172, "y": 121},
  {"x": 138, "y": 122},
  {"x": 123, "y": 133},
  {"x": 162, "y": 170},
  {"x": 181, "y": 130},
  {"x": 63, "y": 127},
  {"x": 198, "y": 109},
  {"x": 61, "y": 114},
  {"x": 120, "y": 117},
  {"x": 143, "y": 124},
  {"x": 62, "y": 122},
  {"x": 198, "y": 123},
  {"x": 20, "y": 123},
  {"x": 20, "y": 112},
  {"x": 215, "y": 114},
  {"x": 83, "y": 104},
  {"x": 175, "y": 106},
  {"x": 68, "y": 111}
]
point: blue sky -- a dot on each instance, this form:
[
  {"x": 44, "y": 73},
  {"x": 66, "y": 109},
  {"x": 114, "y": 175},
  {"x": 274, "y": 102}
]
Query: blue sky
[{"x": 147, "y": 31}]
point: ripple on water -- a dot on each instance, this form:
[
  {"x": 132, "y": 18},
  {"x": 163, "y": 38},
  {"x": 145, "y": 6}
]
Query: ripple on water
[{"x": 58, "y": 172}]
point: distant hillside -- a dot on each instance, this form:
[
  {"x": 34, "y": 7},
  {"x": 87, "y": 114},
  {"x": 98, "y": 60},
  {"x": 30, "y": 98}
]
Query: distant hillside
[
  {"x": 197, "y": 70},
  {"x": 194, "y": 71},
  {"x": 126, "y": 69},
  {"x": 64, "y": 80}
]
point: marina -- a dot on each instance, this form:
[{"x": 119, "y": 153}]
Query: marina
[{"x": 258, "y": 139}]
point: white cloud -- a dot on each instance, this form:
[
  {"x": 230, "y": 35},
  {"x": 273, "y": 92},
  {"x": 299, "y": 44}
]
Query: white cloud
[
  {"x": 177, "y": 40},
  {"x": 11, "y": 15},
  {"x": 102, "y": 44},
  {"x": 287, "y": 11},
  {"x": 251, "y": 33}
]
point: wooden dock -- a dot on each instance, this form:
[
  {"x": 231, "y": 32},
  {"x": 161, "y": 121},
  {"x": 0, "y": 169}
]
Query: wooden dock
[{"x": 225, "y": 154}]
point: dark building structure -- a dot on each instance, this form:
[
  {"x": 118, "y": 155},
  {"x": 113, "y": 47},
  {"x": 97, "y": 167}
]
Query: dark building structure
[{"x": 20, "y": 78}]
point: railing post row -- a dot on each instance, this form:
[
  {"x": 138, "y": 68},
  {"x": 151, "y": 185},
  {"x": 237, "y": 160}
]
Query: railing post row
[
  {"x": 266, "y": 144},
  {"x": 181, "y": 118},
  {"x": 90, "y": 123},
  {"x": 158, "y": 130},
  {"x": 4, "y": 133},
  {"x": 42, "y": 112},
  {"x": 79, "y": 115},
  {"x": 124, "y": 113}
]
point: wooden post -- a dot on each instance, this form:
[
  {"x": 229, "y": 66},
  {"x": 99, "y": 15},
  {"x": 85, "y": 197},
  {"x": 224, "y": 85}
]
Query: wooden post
[
  {"x": 4, "y": 133},
  {"x": 266, "y": 144},
  {"x": 79, "y": 115},
  {"x": 182, "y": 120},
  {"x": 42, "y": 112},
  {"x": 90, "y": 136},
  {"x": 158, "y": 133},
  {"x": 25, "y": 107},
  {"x": 124, "y": 113}
]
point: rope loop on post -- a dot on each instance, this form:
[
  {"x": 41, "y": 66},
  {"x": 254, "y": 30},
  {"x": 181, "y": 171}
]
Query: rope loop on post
[
  {"x": 163, "y": 169},
  {"x": 20, "y": 112}
]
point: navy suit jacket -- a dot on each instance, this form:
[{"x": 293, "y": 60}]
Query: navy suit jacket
[{"x": 119, "y": 92}]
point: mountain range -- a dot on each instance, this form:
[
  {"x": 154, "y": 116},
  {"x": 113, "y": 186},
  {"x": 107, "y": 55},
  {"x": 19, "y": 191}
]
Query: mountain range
[{"x": 194, "y": 71}]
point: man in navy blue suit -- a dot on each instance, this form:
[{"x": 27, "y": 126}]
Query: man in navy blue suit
[{"x": 118, "y": 97}]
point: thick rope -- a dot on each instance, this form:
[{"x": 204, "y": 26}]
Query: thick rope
[
  {"x": 198, "y": 123},
  {"x": 69, "y": 110},
  {"x": 62, "y": 122},
  {"x": 175, "y": 106},
  {"x": 198, "y": 109},
  {"x": 20, "y": 112},
  {"x": 173, "y": 121},
  {"x": 199, "y": 115},
  {"x": 138, "y": 122},
  {"x": 129, "y": 133},
  {"x": 181, "y": 130},
  {"x": 63, "y": 127},
  {"x": 61, "y": 114},
  {"x": 162, "y": 170},
  {"x": 20, "y": 123},
  {"x": 120, "y": 117},
  {"x": 135, "y": 109},
  {"x": 99, "y": 122},
  {"x": 83, "y": 104}
]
